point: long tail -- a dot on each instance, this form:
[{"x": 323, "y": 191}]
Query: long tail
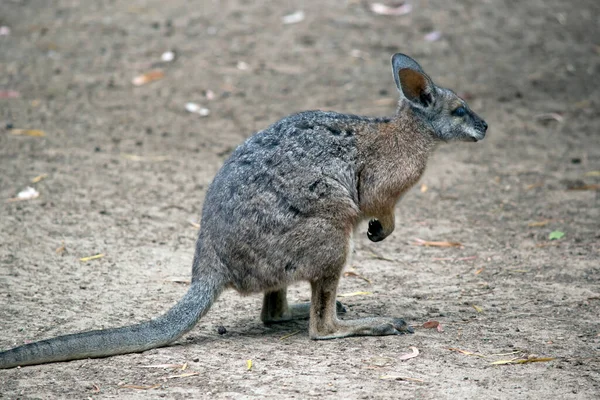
[{"x": 130, "y": 339}]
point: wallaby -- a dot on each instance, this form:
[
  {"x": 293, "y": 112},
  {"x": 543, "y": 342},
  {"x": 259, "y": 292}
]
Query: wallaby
[{"x": 283, "y": 208}]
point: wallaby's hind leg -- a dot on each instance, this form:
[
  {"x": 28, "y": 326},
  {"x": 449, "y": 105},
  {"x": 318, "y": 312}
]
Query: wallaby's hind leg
[
  {"x": 276, "y": 309},
  {"x": 325, "y": 325}
]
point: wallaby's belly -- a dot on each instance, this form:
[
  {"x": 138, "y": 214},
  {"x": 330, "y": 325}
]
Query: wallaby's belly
[{"x": 283, "y": 205}]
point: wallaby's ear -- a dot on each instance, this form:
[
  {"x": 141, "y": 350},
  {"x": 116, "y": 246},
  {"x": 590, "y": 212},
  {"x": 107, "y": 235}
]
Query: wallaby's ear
[{"x": 411, "y": 80}]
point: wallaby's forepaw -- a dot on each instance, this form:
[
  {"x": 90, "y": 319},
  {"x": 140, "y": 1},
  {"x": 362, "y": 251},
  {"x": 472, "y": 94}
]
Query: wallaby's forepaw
[{"x": 375, "y": 232}]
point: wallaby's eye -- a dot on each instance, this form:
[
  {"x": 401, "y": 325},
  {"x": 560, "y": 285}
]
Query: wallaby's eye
[{"x": 459, "y": 112}]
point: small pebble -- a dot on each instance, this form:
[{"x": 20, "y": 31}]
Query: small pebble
[{"x": 221, "y": 330}]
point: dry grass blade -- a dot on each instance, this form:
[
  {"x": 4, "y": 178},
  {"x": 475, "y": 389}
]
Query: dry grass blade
[
  {"x": 28, "y": 132},
  {"x": 428, "y": 243},
  {"x": 139, "y": 387},
  {"x": 135, "y": 157},
  {"x": 584, "y": 187},
  {"x": 466, "y": 352},
  {"x": 90, "y": 258},
  {"x": 401, "y": 378},
  {"x": 477, "y": 308},
  {"x": 515, "y": 361},
  {"x": 407, "y": 356},
  {"x": 172, "y": 366},
  {"x": 39, "y": 178},
  {"x": 249, "y": 365},
  {"x": 355, "y": 294},
  {"x": 289, "y": 335},
  {"x": 183, "y": 375},
  {"x": 355, "y": 275}
]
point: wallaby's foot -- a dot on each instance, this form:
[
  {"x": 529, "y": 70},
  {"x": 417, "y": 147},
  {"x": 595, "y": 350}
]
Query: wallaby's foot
[
  {"x": 325, "y": 325},
  {"x": 360, "y": 327},
  {"x": 276, "y": 309}
]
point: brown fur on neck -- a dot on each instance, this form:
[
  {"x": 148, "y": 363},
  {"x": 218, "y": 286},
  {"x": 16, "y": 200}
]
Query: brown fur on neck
[{"x": 392, "y": 157}]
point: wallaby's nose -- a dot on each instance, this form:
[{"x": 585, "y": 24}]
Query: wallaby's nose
[{"x": 484, "y": 125}]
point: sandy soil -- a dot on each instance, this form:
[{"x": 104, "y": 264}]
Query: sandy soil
[{"x": 127, "y": 168}]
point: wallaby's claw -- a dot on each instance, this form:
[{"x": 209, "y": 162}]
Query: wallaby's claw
[
  {"x": 401, "y": 326},
  {"x": 340, "y": 308}
]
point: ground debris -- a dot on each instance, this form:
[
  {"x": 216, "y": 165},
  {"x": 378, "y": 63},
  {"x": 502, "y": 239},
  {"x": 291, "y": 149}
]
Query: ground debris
[
  {"x": 28, "y": 193},
  {"x": 397, "y": 10},
  {"x": 401, "y": 378},
  {"x": 427, "y": 243},
  {"x": 293, "y": 18}
]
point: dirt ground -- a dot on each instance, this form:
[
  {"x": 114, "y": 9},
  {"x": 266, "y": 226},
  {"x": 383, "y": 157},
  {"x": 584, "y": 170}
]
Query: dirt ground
[{"x": 126, "y": 169}]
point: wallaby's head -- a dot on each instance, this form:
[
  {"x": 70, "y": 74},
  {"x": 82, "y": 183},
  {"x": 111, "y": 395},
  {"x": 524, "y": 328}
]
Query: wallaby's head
[{"x": 449, "y": 115}]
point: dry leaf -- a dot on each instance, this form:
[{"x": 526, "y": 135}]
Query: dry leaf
[
  {"x": 90, "y": 258},
  {"x": 9, "y": 94},
  {"x": 61, "y": 249},
  {"x": 534, "y": 185},
  {"x": 354, "y": 274},
  {"x": 477, "y": 308},
  {"x": 382, "y": 9},
  {"x": 354, "y": 294},
  {"x": 39, "y": 178},
  {"x": 550, "y": 117},
  {"x": 430, "y": 324},
  {"x": 407, "y": 356},
  {"x": 148, "y": 77},
  {"x": 293, "y": 18},
  {"x": 249, "y": 365},
  {"x": 28, "y": 132},
  {"x": 183, "y": 375},
  {"x": 433, "y": 36},
  {"x": 421, "y": 242},
  {"x": 537, "y": 224},
  {"x": 289, "y": 335},
  {"x": 440, "y": 329}
]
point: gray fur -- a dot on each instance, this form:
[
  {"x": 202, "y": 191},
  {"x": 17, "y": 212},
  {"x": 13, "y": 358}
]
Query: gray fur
[{"x": 283, "y": 209}]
